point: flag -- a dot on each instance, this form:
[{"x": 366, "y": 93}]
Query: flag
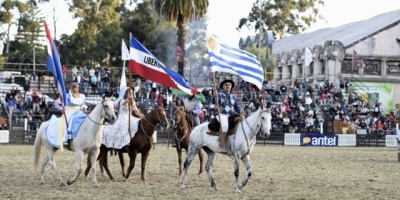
[
  {"x": 357, "y": 62},
  {"x": 235, "y": 61},
  {"x": 149, "y": 67},
  {"x": 124, "y": 51},
  {"x": 307, "y": 56},
  {"x": 122, "y": 86},
  {"x": 179, "y": 53},
  {"x": 54, "y": 65}
]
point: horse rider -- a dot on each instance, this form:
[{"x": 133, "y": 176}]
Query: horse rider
[
  {"x": 229, "y": 106},
  {"x": 193, "y": 108},
  {"x": 75, "y": 101}
]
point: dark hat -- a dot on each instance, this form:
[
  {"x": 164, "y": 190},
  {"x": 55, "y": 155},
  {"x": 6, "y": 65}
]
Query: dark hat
[{"x": 226, "y": 81}]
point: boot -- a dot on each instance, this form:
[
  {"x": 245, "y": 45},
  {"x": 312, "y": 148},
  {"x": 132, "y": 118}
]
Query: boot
[
  {"x": 222, "y": 140},
  {"x": 173, "y": 144}
]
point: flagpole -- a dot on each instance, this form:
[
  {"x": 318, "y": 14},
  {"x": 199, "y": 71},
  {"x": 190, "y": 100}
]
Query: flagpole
[{"x": 216, "y": 102}]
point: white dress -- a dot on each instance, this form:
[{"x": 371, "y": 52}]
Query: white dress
[{"x": 117, "y": 136}]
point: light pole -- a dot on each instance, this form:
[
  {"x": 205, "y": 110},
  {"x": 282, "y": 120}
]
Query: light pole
[{"x": 34, "y": 59}]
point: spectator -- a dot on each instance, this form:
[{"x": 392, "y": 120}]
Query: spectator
[{"x": 64, "y": 72}]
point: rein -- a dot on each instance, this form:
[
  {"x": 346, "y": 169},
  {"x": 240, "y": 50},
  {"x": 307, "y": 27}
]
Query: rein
[
  {"x": 154, "y": 126},
  {"x": 184, "y": 127},
  {"x": 88, "y": 115},
  {"x": 259, "y": 125}
]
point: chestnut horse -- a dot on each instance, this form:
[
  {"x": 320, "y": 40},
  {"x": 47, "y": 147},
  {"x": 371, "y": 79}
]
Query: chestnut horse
[
  {"x": 142, "y": 143},
  {"x": 184, "y": 126}
]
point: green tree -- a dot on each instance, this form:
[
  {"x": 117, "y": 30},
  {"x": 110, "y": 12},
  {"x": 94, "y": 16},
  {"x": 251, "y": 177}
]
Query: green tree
[
  {"x": 282, "y": 16},
  {"x": 99, "y": 31},
  {"x": 9, "y": 12},
  {"x": 181, "y": 11}
]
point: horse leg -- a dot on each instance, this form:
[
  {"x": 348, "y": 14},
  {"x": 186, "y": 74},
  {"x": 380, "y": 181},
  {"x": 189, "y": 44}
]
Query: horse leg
[
  {"x": 246, "y": 162},
  {"x": 145, "y": 155},
  {"x": 189, "y": 158},
  {"x": 132, "y": 156},
  {"x": 104, "y": 162},
  {"x": 93, "y": 158},
  {"x": 209, "y": 164},
  {"x": 88, "y": 166},
  {"x": 52, "y": 162},
  {"x": 78, "y": 162},
  {"x": 179, "y": 151},
  {"x": 42, "y": 167},
  {"x": 236, "y": 186},
  {"x": 201, "y": 162},
  {"x": 122, "y": 162}
]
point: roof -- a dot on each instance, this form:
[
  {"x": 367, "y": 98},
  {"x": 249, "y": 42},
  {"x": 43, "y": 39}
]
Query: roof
[{"x": 347, "y": 34}]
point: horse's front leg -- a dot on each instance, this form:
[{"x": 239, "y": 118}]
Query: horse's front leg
[
  {"x": 179, "y": 151},
  {"x": 122, "y": 162},
  {"x": 236, "y": 185},
  {"x": 132, "y": 156},
  {"x": 93, "y": 158},
  {"x": 145, "y": 155},
  {"x": 78, "y": 162},
  {"x": 246, "y": 162}
]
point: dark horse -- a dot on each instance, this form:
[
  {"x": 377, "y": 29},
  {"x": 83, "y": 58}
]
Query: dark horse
[
  {"x": 184, "y": 126},
  {"x": 142, "y": 143}
]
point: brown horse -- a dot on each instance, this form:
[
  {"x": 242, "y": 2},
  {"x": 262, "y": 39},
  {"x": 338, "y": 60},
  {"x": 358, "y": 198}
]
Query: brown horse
[
  {"x": 142, "y": 143},
  {"x": 184, "y": 126}
]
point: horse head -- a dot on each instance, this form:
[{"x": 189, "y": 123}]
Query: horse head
[
  {"x": 179, "y": 114},
  {"x": 161, "y": 116},
  {"x": 265, "y": 122},
  {"x": 108, "y": 111}
]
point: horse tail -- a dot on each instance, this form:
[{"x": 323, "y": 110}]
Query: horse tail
[{"x": 38, "y": 144}]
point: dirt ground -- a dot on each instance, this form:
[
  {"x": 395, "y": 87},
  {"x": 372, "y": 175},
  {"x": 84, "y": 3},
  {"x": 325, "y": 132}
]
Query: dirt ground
[{"x": 279, "y": 172}]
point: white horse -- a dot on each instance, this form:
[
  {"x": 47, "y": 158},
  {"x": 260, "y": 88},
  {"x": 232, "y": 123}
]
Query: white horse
[
  {"x": 87, "y": 141},
  {"x": 239, "y": 145}
]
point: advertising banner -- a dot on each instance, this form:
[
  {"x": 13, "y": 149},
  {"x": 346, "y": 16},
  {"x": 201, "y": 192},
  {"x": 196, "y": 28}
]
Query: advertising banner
[
  {"x": 376, "y": 93},
  {"x": 318, "y": 140}
]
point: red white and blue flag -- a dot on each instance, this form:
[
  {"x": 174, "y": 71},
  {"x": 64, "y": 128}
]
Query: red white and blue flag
[
  {"x": 149, "y": 67},
  {"x": 54, "y": 64}
]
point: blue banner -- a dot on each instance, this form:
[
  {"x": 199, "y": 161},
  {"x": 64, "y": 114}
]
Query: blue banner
[{"x": 318, "y": 140}]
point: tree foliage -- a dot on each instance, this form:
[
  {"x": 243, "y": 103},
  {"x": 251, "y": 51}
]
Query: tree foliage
[
  {"x": 181, "y": 11},
  {"x": 282, "y": 16}
]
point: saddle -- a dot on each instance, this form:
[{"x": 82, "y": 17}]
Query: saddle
[{"x": 214, "y": 127}]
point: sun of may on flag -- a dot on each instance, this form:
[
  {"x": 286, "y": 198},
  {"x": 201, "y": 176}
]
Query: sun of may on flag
[
  {"x": 54, "y": 65},
  {"x": 235, "y": 61},
  {"x": 149, "y": 67}
]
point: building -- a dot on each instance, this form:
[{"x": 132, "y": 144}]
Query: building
[{"x": 375, "y": 40}]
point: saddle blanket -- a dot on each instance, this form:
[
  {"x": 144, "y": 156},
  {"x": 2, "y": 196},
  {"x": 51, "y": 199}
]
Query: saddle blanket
[{"x": 57, "y": 125}]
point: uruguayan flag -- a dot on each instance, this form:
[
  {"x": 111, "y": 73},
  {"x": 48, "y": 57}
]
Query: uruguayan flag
[{"x": 235, "y": 61}]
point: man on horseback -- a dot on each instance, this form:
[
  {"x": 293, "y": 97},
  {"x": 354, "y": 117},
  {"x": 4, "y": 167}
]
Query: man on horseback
[
  {"x": 193, "y": 108},
  {"x": 229, "y": 111}
]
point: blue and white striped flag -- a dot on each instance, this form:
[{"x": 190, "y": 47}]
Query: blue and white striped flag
[{"x": 235, "y": 61}]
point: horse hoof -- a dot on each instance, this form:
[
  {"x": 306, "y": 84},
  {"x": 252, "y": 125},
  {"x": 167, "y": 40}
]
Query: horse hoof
[
  {"x": 62, "y": 184},
  {"x": 69, "y": 182},
  {"x": 96, "y": 185},
  {"x": 216, "y": 188},
  {"x": 238, "y": 191}
]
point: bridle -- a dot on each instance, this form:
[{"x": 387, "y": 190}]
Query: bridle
[
  {"x": 258, "y": 127},
  {"x": 185, "y": 128},
  {"x": 103, "y": 109},
  {"x": 153, "y": 125}
]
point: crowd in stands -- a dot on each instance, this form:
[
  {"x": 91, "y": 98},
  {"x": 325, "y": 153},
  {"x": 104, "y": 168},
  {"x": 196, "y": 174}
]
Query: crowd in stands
[{"x": 298, "y": 107}]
